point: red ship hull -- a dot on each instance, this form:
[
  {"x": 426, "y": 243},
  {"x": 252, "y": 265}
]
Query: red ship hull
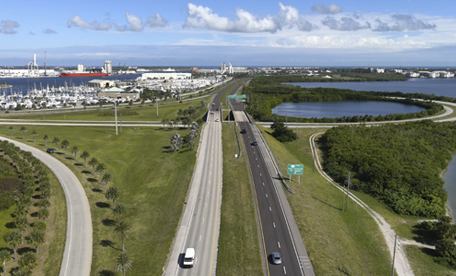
[{"x": 83, "y": 74}]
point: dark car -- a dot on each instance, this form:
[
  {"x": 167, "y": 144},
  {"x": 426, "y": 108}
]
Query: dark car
[
  {"x": 254, "y": 143},
  {"x": 243, "y": 131},
  {"x": 50, "y": 150},
  {"x": 276, "y": 259}
]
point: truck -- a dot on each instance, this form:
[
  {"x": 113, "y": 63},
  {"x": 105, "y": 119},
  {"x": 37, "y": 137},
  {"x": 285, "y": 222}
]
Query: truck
[{"x": 189, "y": 257}]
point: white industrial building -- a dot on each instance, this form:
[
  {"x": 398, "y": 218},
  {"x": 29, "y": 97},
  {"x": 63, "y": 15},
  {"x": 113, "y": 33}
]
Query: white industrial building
[
  {"x": 166, "y": 75},
  {"x": 101, "y": 83}
]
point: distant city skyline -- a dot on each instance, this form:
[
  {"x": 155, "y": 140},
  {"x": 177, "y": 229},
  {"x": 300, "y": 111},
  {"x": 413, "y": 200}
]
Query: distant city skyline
[{"x": 245, "y": 33}]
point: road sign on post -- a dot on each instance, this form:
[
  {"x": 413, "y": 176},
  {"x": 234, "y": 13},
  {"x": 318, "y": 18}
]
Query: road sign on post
[{"x": 295, "y": 169}]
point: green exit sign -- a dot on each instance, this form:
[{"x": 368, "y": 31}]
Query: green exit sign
[{"x": 295, "y": 169}]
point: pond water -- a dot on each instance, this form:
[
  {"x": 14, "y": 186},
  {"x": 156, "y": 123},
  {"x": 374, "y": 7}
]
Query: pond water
[{"x": 340, "y": 109}]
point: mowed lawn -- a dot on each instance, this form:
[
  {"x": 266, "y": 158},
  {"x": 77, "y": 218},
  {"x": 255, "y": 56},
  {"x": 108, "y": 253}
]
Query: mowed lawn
[
  {"x": 152, "y": 179},
  {"x": 136, "y": 112},
  {"x": 338, "y": 243}
]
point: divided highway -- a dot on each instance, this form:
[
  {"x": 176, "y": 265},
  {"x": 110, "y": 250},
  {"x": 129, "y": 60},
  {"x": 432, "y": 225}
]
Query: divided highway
[{"x": 77, "y": 257}]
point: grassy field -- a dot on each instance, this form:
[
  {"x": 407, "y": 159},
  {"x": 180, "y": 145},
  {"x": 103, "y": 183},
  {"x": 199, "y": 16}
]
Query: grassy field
[
  {"x": 239, "y": 249},
  {"x": 351, "y": 235},
  {"x": 338, "y": 243},
  {"x": 146, "y": 112},
  {"x": 153, "y": 182}
]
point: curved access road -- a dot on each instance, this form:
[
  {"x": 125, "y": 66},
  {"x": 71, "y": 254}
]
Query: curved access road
[{"x": 77, "y": 256}]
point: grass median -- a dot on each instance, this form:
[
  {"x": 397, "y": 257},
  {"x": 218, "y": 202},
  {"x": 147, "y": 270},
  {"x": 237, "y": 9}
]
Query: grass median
[{"x": 239, "y": 249}]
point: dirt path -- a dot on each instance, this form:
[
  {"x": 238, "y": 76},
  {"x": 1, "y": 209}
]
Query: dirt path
[{"x": 401, "y": 263}]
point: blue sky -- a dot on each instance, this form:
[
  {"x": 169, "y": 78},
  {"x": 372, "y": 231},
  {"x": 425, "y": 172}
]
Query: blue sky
[{"x": 244, "y": 33}]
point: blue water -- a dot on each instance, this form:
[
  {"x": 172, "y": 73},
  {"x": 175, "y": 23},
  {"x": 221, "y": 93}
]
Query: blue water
[
  {"x": 438, "y": 87},
  {"x": 340, "y": 109}
]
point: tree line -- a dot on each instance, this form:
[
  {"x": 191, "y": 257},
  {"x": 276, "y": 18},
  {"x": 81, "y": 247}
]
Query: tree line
[
  {"x": 31, "y": 189},
  {"x": 398, "y": 164},
  {"x": 265, "y": 94}
]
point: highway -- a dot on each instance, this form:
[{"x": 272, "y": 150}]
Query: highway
[
  {"x": 77, "y": 256},
  {"x": 200, "y": 222},
  {"x": 278, "y": 227}
]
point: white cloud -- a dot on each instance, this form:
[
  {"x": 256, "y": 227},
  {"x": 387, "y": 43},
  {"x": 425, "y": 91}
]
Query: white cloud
[
  {"x": 8, "y": 26},
  {"x": 403, "y": 22},
  {"x": 77, "y": 21},
  {"x": 157, "y": 21},
  {"x": 344, "y": 24},
  {"x": 245, "y": 22},
  {"x": 49, "y": 31},
  {"x": 134, "y": 24},
  {"x": 289, "y": 16},
  {"x": 332, "y": 9}
]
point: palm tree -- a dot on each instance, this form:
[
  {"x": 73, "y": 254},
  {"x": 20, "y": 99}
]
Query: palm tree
[
  {"x": 100, "y": 168},
  {"x": 36, "y": 238},
  {"x": 75, "y": 150},
  {"x": 65, "y": 144},
  {"x": 46, "y": 139},
  {"x": 11, "y": 128},
  {"x": 105, "y": 178},
  {"x": 20, "y": 222},
  {"x": 28, "y": 261},
  {"x": 40, "y": 226},
  {"x": 112, "y": 193},
  {"x": 120, "y": 210},
  {"x": 122, "y": 229},
  {"x": 85, "y": 154},
  {"x": 43, "y": 213},
  {"x": 123, "y": 262},
  {"x": 13, "y": 238},
  {"x": 34, "y": 134},
  {"x": 93, "y": 162},
  {"x": 44, "y": 203},
  {"x": 23, "y": 130},
  {"x": 5, "y": 256},
  {"x": 56, "y": 142}
]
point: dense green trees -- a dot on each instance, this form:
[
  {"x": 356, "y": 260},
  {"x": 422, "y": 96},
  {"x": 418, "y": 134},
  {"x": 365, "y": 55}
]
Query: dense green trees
[
  {"x": 265, "y": 93},
  {"x": 282, "y": 133},
  {"x": 398, "y": 164}
]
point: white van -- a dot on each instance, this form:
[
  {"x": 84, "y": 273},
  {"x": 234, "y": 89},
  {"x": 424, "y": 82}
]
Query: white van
[{"x": 189, "y": 257}]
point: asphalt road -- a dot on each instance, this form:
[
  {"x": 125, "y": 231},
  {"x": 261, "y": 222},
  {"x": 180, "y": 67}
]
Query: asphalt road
[
  {"x": 200, "y": 223},
  {"x": 77, "y": 256}
]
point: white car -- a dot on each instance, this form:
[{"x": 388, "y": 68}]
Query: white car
[
  {"x": 189, "y": 257},
  {"x": 216, "y": 120}
]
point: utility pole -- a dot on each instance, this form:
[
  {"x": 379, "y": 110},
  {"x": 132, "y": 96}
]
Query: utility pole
[
  {"x": 120, "y": 122},
  {"x": 348, "y": 188},
  {"x": 296, "y": 138},
  {"x": 115, "y": 112},
  {"x": 156, "y": 101},
  {"x": 394, "y": 254}
]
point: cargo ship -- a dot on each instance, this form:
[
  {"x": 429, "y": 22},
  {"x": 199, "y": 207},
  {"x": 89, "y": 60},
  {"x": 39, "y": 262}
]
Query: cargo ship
[{"x": 93, "y": 72}]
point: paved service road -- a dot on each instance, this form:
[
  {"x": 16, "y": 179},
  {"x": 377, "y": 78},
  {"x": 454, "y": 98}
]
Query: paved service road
[{"x": 77, "y": 256}]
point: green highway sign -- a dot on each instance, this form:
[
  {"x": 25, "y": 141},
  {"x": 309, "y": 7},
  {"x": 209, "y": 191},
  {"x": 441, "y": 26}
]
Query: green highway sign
[
  {"x": 295, "y": 169},
  {"x": 234, "y": 96}
]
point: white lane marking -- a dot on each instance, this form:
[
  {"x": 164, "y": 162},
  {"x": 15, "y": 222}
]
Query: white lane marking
[
  {"x": 200, "y": 237},
  {"x": 273, "y": 224},
  {"x": 270, "y": 208},
  {"x": 284, "y": 270},
  {"x": 278, "y": 243}
]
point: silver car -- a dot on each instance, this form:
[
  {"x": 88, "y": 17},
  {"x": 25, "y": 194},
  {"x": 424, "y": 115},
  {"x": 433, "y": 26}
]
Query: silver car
[{"x": 276, "y": 259}]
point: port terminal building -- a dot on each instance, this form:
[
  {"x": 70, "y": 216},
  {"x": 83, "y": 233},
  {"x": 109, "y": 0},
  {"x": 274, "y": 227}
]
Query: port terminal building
[{"x": 101, "y": 83}]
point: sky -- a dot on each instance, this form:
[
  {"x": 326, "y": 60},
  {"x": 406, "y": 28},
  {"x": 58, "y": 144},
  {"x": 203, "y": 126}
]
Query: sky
[{"x": 387, "y": 33}]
